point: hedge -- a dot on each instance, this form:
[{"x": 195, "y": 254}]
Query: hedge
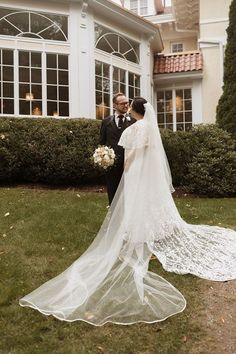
[
  {"x": 58, "y": 151},
  {"x": 48, "y": 150}
]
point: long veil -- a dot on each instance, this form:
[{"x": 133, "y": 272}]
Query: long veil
[
  {"x": 206, "y": 251},
  {"x": 110, "y": 282}
]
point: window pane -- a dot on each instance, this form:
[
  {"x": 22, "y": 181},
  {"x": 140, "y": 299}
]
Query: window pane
[
  {"x": 8, "y": 29},
  {"x": 160, "y": 107},
  {"x": 98, "y": 97},
  {"x": 137, "y": 92},
  {"x": 8, "y": 106},
  {"x": 23, "y": 90},
  {"x": 188, "y": 94},
  {"x": 115, "y": 73},
  {"x": 7, "y": 57},
  {"x": 168, "y": 95},
  {"x": 106, "y": 85},
  {"x": 106, "y": 99},
  {"x": 51, "y": 76},
  {"x": 62, "y": 61},
  {"x": 52, "y": 109},
  {"x": 36, "y": 60},
  {"x": 64, "y": 109},
  {"x": 116, "y": 88},
  {"x": 63, "y": 93},
  {"x": 106, "y": 70},
  {"x": 37, "y": 91},
  {"x": 168, "y": 106},
  {"x": 52, "y": 33},
  {"x": 37, "y": 108},
  {"x": 36, "y": 75},
  {"x": 188, "y": 105},
  {"x": 8, "y": 73},
  {"x": 51, "y": 61},
  {"x": 52, "y": 92},
  {"x": 179, "y": 103},
  {"x": 24, "y": 75},
  {"x": 180, "y": 117},
  {"x": 123, "y": 88},
  {"x": 131, "y": 79},
  {"x": 63, "y": 77},
  {"x": 137, "y": 80},
  {"x": 98, "y": 68},
  {"x": 131, "y": 92},
  {"x": 38, "y": 23},
  {"x": 8, "y": 90},
  {"x": 99, "y": 83},
  {"x": 188, "y": 116},
  {"x": 20, "y": 20},
  {"x": 160, "y": 118},
  {"x": 24, "y": 107},
  {"x": 24, "y": 58},
  {"x": 160, "y": 95},
  {"x": 169, "y": 118}
]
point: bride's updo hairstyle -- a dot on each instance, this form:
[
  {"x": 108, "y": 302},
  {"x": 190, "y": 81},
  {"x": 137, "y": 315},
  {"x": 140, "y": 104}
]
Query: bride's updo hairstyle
[{"x": 138, "y": 105}]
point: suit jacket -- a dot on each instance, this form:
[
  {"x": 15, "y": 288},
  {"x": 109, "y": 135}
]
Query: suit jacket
[{"x": 110, "y": 135}]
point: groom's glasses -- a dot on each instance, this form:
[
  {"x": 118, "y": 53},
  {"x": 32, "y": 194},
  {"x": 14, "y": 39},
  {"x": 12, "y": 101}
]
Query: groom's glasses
[{"x": 122, "y": 104}]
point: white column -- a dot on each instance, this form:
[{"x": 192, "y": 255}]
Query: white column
[
  {"x": 82, "y": 68},
  {"x": 197, "y": 101},
  {"x": 146, "y": 72},
  {"x": 74, "y": 60}
]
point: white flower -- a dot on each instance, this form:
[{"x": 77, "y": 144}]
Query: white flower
[
  {"x": 2, "y": 136},
  {"x": 7, "y": 214},
  {"x": 104, "y": 156}
]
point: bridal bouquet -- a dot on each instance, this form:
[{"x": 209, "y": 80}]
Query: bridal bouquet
[{"x": 104, "y": 157}]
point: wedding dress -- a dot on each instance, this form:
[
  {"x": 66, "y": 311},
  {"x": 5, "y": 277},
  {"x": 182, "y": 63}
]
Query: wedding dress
[{"x": 110, "y": 282}]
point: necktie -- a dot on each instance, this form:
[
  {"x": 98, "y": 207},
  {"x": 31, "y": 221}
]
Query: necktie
[{"x": 120, "y": 121}]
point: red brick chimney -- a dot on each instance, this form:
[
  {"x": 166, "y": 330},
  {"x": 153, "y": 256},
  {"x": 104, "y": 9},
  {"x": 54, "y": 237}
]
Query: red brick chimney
[{"x": 159, "y": 6}]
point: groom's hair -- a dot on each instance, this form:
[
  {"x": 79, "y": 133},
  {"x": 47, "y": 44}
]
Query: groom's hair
[
  {"x": 138, "y": 104},
  {"x": 118, "y": 94}
]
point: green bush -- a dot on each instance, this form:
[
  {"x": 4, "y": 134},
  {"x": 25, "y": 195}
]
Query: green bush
[
  {"x": 212, "y": 170},
  {"x": 226, "y": 109},
  {"x": 178, "y": 148},
  {"x": 59, "y": 152},
  {"x": 48, "y": 150}
]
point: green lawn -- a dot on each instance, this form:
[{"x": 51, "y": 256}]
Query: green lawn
[{"x": 45, "y": 231}]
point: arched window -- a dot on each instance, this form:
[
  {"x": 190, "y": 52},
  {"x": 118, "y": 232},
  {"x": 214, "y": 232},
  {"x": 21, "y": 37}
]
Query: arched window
[
  {"x": 33, "y": 25},
  {"x": 116, "y": 44}
]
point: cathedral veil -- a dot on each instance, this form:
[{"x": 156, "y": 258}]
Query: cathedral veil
[{"x": 110, "y": 282}]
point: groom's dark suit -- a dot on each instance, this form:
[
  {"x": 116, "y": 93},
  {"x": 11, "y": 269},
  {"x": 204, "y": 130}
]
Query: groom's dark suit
[{"x": 110, "y": 135}]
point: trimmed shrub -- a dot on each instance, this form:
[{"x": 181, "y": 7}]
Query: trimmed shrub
[
  {"x": 48, "y": 150},
  {"x": 59, "y": 152},
  {"x": 212, "y": 171},
  {"x": 178, "y": 148}
]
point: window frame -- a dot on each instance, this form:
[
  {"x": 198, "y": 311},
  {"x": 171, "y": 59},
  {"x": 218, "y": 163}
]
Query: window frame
[
  {"x": 176, "y": 44},
  {"x": 173, "y": 109}
]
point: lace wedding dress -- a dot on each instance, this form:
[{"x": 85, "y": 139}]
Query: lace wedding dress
[{"x": 110, "y": 282}]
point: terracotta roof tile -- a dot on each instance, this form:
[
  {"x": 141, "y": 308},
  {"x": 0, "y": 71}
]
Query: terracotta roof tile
[{"x": 175, "y": 63}]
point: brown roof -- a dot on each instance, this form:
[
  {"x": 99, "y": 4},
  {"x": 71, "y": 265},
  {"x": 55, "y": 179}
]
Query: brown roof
[{"x": 175, "y": 63}]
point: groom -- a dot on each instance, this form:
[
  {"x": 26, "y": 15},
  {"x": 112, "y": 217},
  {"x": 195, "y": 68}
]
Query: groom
[{"x": 110, "y": 133}]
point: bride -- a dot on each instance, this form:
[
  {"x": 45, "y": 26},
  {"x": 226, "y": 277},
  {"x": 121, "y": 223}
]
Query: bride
[{"x": 110, "y": 282}]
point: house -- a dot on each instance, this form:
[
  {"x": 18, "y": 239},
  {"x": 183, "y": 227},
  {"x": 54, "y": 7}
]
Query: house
[
  {"x": 66, "y": 58},
  {"x": 188, "y": 73}
]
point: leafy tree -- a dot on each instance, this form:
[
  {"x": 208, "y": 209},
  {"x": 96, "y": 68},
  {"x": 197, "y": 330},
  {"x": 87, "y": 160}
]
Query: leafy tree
[{"x": 226, "y": 110}]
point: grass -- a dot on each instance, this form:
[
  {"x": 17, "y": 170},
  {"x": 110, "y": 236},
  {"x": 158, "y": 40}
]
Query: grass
[{"x": 45, "y": 231}]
